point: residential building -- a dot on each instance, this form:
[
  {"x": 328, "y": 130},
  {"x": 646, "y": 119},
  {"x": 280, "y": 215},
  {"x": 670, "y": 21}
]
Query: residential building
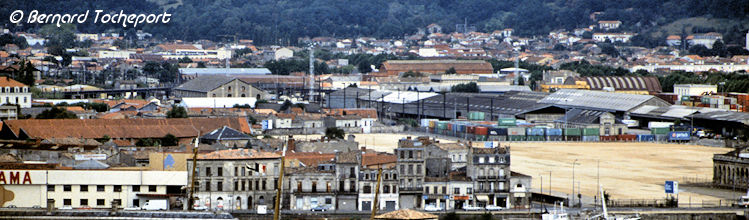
[
  {"x": 347, "y": 168},
  {"x": 8, "y": 112},
  {"x": 236, "y": 179},
  {"x": 706, "y": 39},
  {"x": 609, "y": 25},
  {"x": 613, "y": 37},
  {"x": 388, "y": 194},
  {"x": 520, "y": 191},
  {"x": 489, "y": 168},
  {"x": 673, "y": 40},
  {"x": 411, "y": 171},
  {"x": 13, "y": 92},
  {"x": 311, "y": 187}
]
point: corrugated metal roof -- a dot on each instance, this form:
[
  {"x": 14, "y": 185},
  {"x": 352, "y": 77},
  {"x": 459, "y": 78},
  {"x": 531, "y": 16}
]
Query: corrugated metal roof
[
  {"x": 227, "y": 71},
  {"x": 406, "y": 97},
  {"x": 596, "y": 99}
]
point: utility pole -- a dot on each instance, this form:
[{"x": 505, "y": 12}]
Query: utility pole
[
  {"x": 375, "y": 205},
  {"x": 573, "y": 183},
  {"x": 312, "y": 72},
  {"x": 191, "y": 199},
  {"x": 276, "y": 211}
]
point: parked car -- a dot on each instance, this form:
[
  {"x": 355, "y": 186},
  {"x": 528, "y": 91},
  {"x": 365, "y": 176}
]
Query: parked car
[
  {"x": 432, "y": 208},
  {"x": 321, "y": 208},
  {"x": 493, "y": 208},
  {"x": 471, "y": 208}
]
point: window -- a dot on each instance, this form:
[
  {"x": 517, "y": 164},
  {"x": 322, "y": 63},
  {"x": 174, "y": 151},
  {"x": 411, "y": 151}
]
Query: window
[
  {"x": 418, "y": 169},
  {"x": 410, "y": 154},
  {"x": 386, "y": 189},
  {"x": 50, "y": 188},
  {"x": 265, "y": 185},
  {"x": 491, "y": 159},
  {"x": 152, "y": 188},
  {"x": 403, "y": 154},
  {"x": 207, "y": 171},
  {"x": 229, "y": 88},
  {"x": 220, "y": 171},
  {"x": 84, "y": 188},
  {"x": 243, "y": 171},
  {"x": 208, "y": 186},
  {"x": 117, "y": 188},
  {"x": 456, "y": 190},
  {"x": 410, "y": 169},
  {"x": 435, "y": 190},
  {"x": 136, "y": 202},
  {"x": 236, "y": 185},
  {"x": 403, "y": 168},
  {"x": 469, "y": 190},
  {"x": 426, "y": 190},
  {"x": 219, "y": 186},
  {"x": 314, "y": 186},
  {"x": 444, "y": 190},
  {"x": 67, "y": 202},
  {"x": 136, "y": 188},
  {"x": 395, "y": 176},
  {"x": 243, "y": 184},
  {"x": 100, "y": 188},
  {"x": 367, "y": 189},
  {"x": 99, "y": 202},
  {"x": 84, "y": 202},
  {"x": 481, "y": 159},
  {"x": 328, "y": 201},
  {"x": 66, "y": 188}
]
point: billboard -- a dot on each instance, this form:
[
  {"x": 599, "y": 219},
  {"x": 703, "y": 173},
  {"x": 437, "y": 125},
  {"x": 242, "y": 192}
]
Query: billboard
[
  {"x": 678, "y": 136},
  {"x": 672, "y": 187}
]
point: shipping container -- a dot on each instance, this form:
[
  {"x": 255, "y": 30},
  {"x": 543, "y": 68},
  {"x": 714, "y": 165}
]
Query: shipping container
[
  {"x": 606, "y": 138},
  {"x": 516, "y": 131},
  {"x": 661, "y": 131},
  {"x": 591, "y": 138},
  {"x": 554, "y": 132},
  {"x": 476, "y": 116},
  {"x": 480, "y": 137},
  {"x": 470, "y": 129},
  {"x": 627, "y": 137},
  {"x": 678, "y": 136},
  {"x": 661, "y": 137},
  {"x": 481, "y": 130},
  {"x": 516, "y": 138},
  {"x": 535, "y": 138},
  {"x": 645, "y": 137},
  {"x": 498, "y": 131},
  {"x": 659, "y": 124},
  {"x": 591, "y": 132},
  {"x": 536, "y": 131},
  {"x": 442, "y": 125},
  {"x": 507, "y": 122},
  {"x": 555, "y": 138},
  {"x": 572, "y": 132},
  {"x": 496, "y": 138}
]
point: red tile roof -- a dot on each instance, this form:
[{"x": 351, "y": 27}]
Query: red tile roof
[
  {"x": 120, "y": 128},
  {"x": 8, "y": 82},
  {"x": 238, "y": 154}
]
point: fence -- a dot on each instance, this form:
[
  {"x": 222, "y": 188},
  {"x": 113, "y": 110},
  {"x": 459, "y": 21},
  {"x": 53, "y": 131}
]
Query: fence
[{"x": 665, "y": 203}]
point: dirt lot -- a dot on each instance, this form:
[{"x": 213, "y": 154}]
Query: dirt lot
[{"x": 627, "y": 170}]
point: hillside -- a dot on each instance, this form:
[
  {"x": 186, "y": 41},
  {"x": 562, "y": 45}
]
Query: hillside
[{"x": 271, "y": 21}]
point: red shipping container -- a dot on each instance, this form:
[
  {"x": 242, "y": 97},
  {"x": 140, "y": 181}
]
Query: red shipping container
[{"x": 482, "y": 130}]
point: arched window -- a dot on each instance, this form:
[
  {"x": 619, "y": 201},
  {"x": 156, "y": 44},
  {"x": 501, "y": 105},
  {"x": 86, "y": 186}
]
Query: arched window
[{"x": 243, "y": 95}]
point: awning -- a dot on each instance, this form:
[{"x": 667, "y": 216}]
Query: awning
[{"x": 482, "y": 198}]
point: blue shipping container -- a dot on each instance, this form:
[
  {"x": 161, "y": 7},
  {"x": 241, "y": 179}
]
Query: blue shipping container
[
  {"x": 534, "y": 131},
  {"x": 678, "y": 136},
  {"x": 554, "y": 132},
  {"x": 645, "y": 137},
  {"x": 498, "y": 131}
]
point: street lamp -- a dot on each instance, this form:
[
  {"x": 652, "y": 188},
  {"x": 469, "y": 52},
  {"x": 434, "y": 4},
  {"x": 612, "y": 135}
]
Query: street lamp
[{"x": 573, "y": 181}]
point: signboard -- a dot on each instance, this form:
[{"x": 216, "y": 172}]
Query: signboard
[
  {"x": 90, "y": 157},
  {"x": 672, "y": 187},
  {"x": 678, "y": 136}
]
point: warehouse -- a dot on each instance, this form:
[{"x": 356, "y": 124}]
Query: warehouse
[{"x": 87, "y": 188}]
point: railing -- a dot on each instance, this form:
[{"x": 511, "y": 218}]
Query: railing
[
  {"x": 665, "y": 203},
  {"x": 411, "y": 189},
  {"x": 490, "y": 190},
  {"x": 491, "y": 177}
]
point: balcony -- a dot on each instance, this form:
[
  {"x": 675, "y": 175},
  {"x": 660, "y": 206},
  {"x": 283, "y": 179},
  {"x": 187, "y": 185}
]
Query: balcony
[
  {"x": 491, "y": 178},
  {"x": 411, "y": 189},
  {"x": 490, "y": 191}
]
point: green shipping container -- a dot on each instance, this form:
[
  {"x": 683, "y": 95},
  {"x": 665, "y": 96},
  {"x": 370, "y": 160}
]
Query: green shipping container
[
  {"x": 659, "y": 130},
  {"x": 480, "y": 137},
  {"x": 572, "y": 132},
  {"x": 516, "y": 138},
  {"x": 507, "y": 122},
  {"x": 476, "y": 116},
  {"x": 591, "y": 132},
  {"x": 442, "y": 125},
  {"x": 536, "y": 138}
]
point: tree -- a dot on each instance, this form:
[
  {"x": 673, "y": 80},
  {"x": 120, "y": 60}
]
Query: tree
[
  {"x": 520, "y": 80},
  {"x": 147, "y": 142},
  {"x": 169, "y": 140},
  {"x": 587, "y": 35},
  {"x": 700, "y": 50},
  {"x": 719, "y": 49},
  {"x": 176, "y": 112},
  {"x": 471, "y": 87},
  {"x": 334, "y": 133},
  {"x": 451, "y": 71},
  {"x": 285, "y": 106},
  {"x": 411, "y": 73},
  {"x": 185, "y": 59},
  {"x": 56, "y": 113}
]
